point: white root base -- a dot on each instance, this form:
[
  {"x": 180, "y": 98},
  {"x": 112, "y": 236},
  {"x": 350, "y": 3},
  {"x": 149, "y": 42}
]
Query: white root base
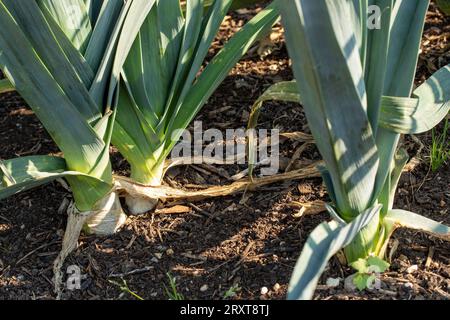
[
  {"x": 75, "y": 223},
  {"x": 138, "y": 206},
  {"x": 106, "y": 219},
  {"x": 141, "y": 204}
]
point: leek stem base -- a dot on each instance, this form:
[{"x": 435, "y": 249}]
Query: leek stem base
[
  {"x": 141, "y": 205},
  {"x": 105, "y": 219}
]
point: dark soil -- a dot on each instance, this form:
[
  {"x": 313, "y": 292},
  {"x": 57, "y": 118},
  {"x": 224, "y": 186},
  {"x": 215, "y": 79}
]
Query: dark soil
[{"x": 241, "y": 242}]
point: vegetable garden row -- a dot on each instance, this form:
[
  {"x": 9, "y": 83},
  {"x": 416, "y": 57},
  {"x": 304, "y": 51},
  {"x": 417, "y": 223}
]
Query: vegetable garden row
[{"x": 134, "y": 74}]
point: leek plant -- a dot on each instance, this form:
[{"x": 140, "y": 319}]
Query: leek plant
[
  {"x": 164, "y": 84},
  {"x": 64, "y": 57},
  {"x": 356, "y": 86}
]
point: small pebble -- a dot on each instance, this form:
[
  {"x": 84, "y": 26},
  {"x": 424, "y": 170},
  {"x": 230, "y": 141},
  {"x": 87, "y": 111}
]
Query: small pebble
[
  {"x": 158, "y": 255},
  {"x": 169, "y": 252},
  {"x": 276, "y": 287},
  {"x": 412, "y": 269},
  {"x": 204, "y": 288},
  {"x": 349, "y": 285},
  {"x": 333, "y": 282},
  {"x": 408, "y": 285},
  {"x": 264, "y": 291}
]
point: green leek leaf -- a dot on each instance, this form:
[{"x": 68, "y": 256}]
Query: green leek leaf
[
  {"x": 328, "y": 70},
  {"x": 21, "y": 174},
  {"x": 324, "y": 242},
  {"x": 406, "y": 219},
  {"x": 431, "y": 103}
]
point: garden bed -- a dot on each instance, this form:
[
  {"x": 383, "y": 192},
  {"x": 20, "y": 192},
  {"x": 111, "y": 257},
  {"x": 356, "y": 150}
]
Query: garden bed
[{"x": 245, "y": 242}]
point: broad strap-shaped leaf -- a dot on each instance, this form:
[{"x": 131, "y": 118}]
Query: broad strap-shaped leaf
[
  {"x": 170, "y": 26},
  {"x": 103, "y": 28},
  {"x": 376, "y": 61},
  {"x": 359, "y": 20},
  {"x": 405, "y": 219},
  {"x": 410, "y": 220},
  {"x": 137, "y": 13},
  {"x": 408, "y": 20},
  {"x": 324, "y": 242},
  {"x": 431, "y": 103},
  {"x": 106, "y": 19},
  {"x": 329, "y": 75},
  {"x": 25, "y": 173},
  {"x": 73, "y": 18},
  {"x": 94, "y": 7},
  {"x": 79, "y": 63}
]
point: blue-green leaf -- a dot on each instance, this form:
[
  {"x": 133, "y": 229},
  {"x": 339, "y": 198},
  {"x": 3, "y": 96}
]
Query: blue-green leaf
[
  {"x": 429, "y": 105},
  {"x": 21, "y": 174},
  {"x": 407, "y": 219},
  {"x": 329, "y": 75},
  {"x": 324, "y": 242}
]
